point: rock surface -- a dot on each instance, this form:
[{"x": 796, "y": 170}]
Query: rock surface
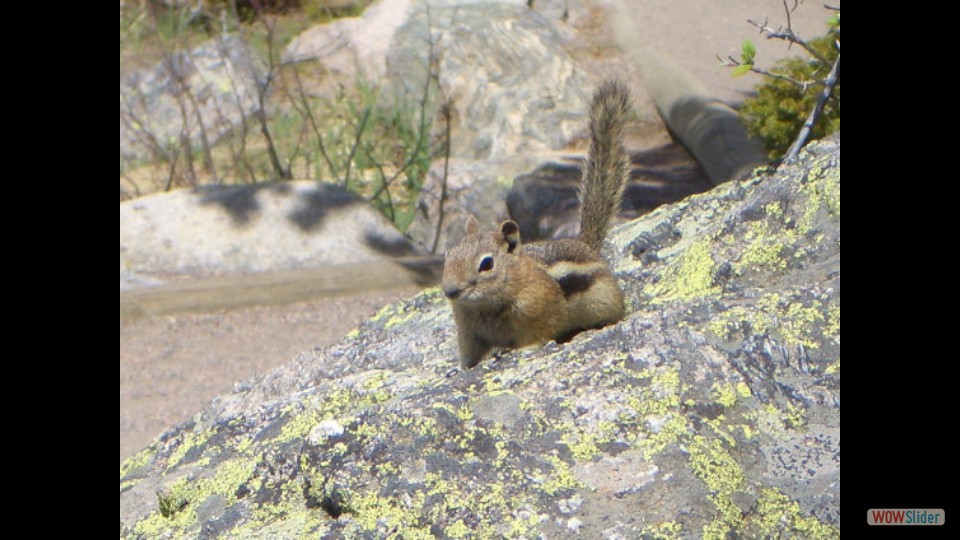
[
  {"x": 205, "y": 92},
  {"x": 354, "y": 46},
  {"x": 488, "y": 57},
  {"x": 512, "y": 87},
  {"x": 711, "y": 410},
  {"x": 255, "y": 228},
  {"x": 539, "y": 192},
  {"x": 544, "y": 202},
  {"x": 474, "y": 187}
]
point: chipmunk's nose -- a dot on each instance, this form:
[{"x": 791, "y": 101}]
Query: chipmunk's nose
[{"x": 451, "y": 291}]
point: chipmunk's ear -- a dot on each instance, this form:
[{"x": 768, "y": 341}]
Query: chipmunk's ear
[
  {"x": 511, "y": 234},
  {"x": 472, "y": 224}
]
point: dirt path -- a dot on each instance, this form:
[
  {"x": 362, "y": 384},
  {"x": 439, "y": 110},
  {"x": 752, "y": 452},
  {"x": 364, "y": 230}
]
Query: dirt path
[
  {"x": 693, "y": 33},
  {"x": 171, "y": 366}
]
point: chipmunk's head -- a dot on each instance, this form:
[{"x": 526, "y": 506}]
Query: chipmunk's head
[{"x": 477, "y": 267}]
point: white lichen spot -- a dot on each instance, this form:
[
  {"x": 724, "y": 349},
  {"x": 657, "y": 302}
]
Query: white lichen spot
[
  {"x": 655, "y": 423},
  {"x": 571, "y": 505},
  {"x": 325, "y": 430}
]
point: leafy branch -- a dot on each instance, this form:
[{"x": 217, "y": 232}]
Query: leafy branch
[{"x": 775, "y": 104}]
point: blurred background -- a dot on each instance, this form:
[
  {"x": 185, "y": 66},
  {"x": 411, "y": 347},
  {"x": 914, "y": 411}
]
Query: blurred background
[{"x": 289, "y": 167}]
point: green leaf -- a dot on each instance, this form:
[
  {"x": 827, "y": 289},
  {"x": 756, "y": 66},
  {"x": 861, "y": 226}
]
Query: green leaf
[
  {"x": 834, "y": 21},
  {"x": 741, "y": 70},
  {"x": 749, "y": 52}
]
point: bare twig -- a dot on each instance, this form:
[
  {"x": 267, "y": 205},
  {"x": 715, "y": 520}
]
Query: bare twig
[
  {"x": 235, "y": 132},
  {"x": 390, "y": 211},
  {"x": 730, "y": 61},
  {"x": 128, "y": 22},
  {"x": 384, "y": 185},
  {"x": 815, "y": 113},
  {"x": 137, "y": 125},
  {"x": 308, "y": 112},
  {"x": 208, "y": 166},
  {"x": 356, "y": 144},
  {"x": 802, "y": 84},
  {"x": 787, "y": 35},
  {"x": 296, "y": 149},
  {"x": 173, "y": 169},
  {"x": 787, "y": 11},
  {"x": 239, "y": 155},
  {"x": 265, "y": 131},
  {"x": 125, "y": 177},
  {"x": 445, "y": 112},
  {"x": 262, "y": 90},
  {"x": 244, "y": 127},
  {"x": 421, "y": 136},
  {"x": 238, "y": 144},
  {"x": 184, "y": 91},
  {"x": 186, "y": 145},
  {"x": 180, "y": 86}
]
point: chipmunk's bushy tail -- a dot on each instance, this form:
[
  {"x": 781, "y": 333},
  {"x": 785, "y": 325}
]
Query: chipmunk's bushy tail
[{"x": 605, "y": 171}]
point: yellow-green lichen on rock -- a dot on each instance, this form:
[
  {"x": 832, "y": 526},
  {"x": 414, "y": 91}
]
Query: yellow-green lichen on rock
[
  {"x": 794, "y": 320},
  {"x": 299, "y": 523},
  {"x": 775, "y": 511},
  {"x": 392, "y": 517},
  {"x": 303, "y": 417},
  {"x": 763, "y": 250},
  {"x": 690, "y": 277},
  {"x": 666, "y": 530},
  {"x": 728, "y": 393},
  {"x": 137, "y": 461},
  {"x": 821, "y": 187},
  {"x": 774, "y": 421},
  {"x": 191, "y": 440},
  {"x": 723, "y": 476},
  {"x": 560, "y": 478},
  {"x": 711, "y": 410},
  {"x": 177, "y": 504},
  {"x": 657, "y": 404}
]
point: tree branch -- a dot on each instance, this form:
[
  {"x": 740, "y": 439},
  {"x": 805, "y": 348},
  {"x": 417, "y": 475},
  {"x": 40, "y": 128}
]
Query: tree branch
[
  {"x": 733, "y": 62},
  {"x": 787, "y": 35},
  {"x": 815, "y": 113}
]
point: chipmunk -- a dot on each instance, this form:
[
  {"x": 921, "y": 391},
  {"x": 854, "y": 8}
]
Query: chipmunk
[{"x": 505, "y": 294}]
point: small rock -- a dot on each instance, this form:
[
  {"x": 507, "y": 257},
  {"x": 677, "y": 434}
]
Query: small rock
[
  {"x": 326, "y": 429},
  {"x": 656, "y": 423},
  {"x": 571, "y": 505}
]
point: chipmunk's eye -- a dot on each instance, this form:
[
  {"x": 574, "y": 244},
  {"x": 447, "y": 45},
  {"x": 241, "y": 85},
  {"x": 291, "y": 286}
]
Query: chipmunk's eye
[{"x": 486, "y": 263}]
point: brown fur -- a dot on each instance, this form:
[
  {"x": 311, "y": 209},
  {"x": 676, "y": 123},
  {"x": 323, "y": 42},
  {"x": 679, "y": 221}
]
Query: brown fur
[
  {"x": 505, "y": 294},
  {"x": 604, "y": 174}
]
